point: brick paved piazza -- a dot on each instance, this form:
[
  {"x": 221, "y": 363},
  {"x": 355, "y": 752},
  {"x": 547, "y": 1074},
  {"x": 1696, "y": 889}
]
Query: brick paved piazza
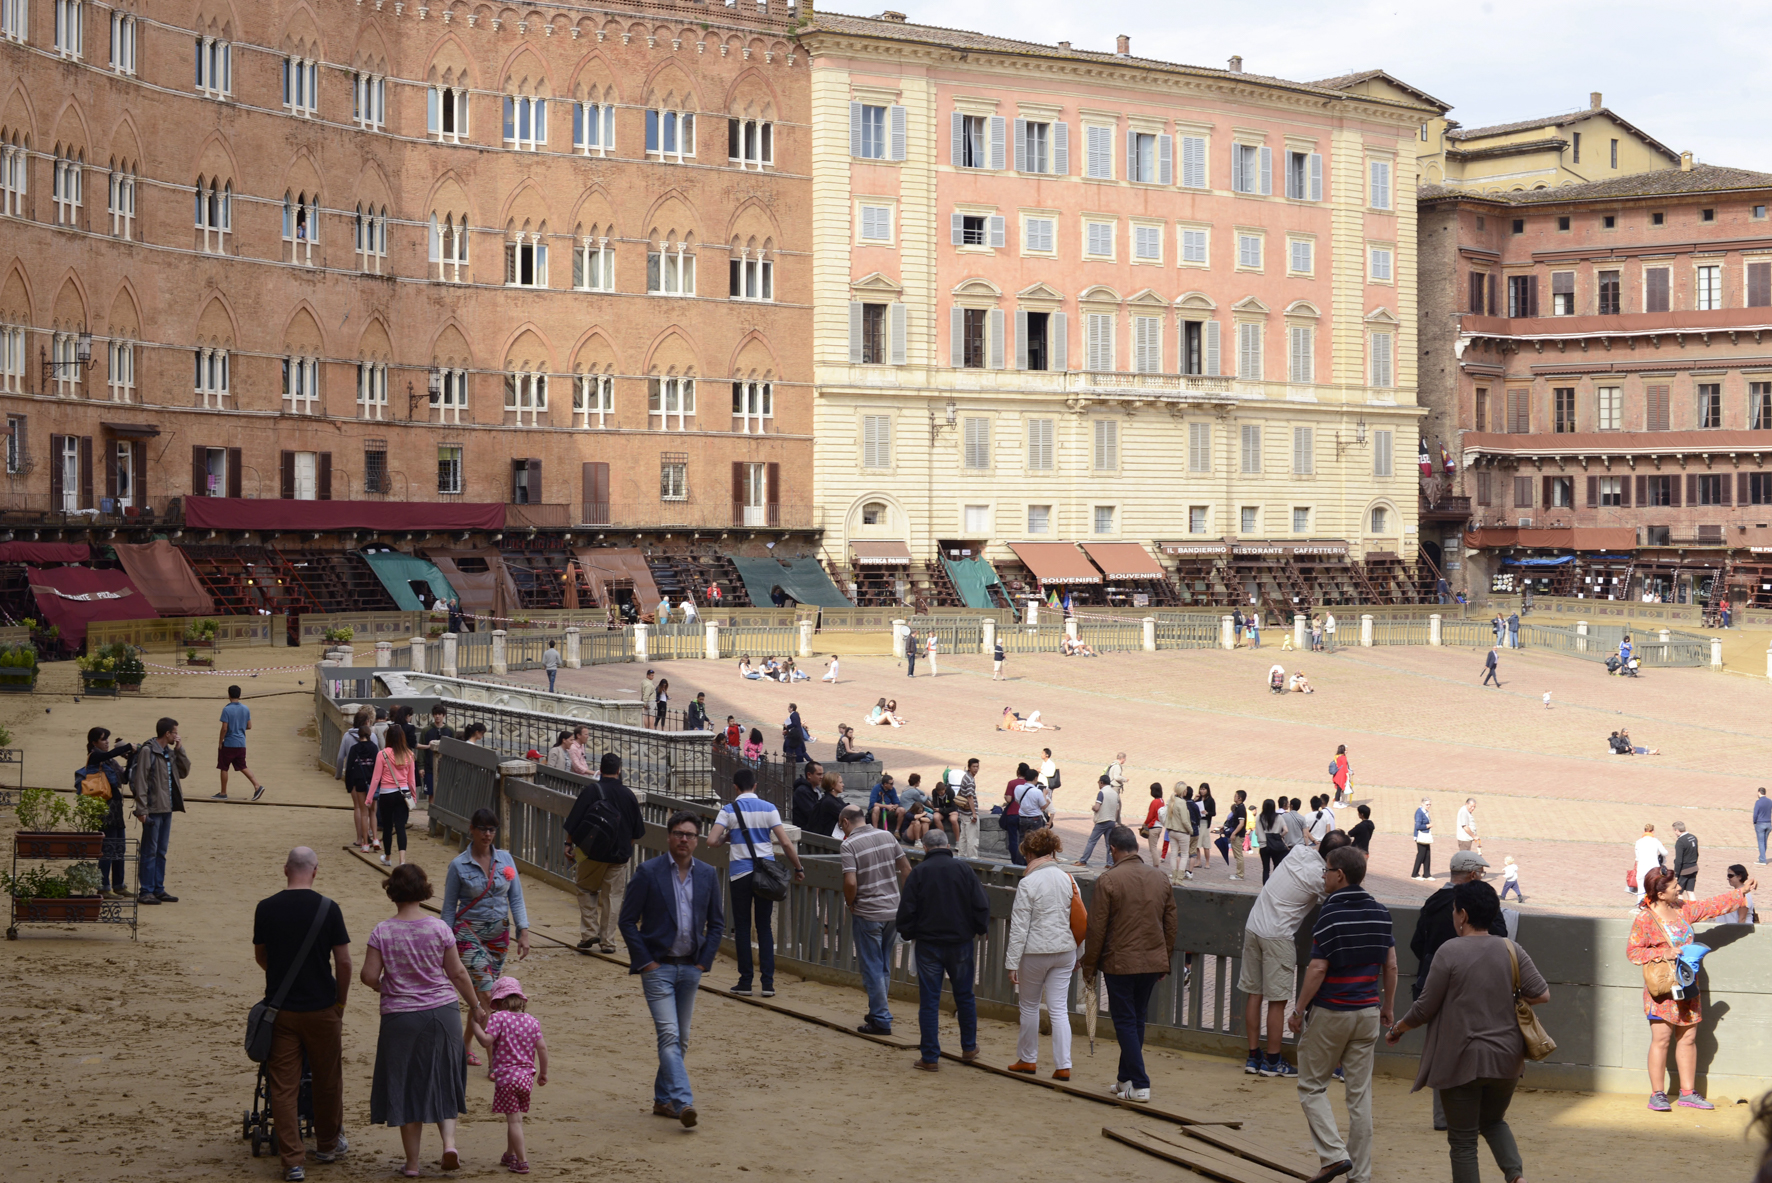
[{"x": 1415, "y": 722}]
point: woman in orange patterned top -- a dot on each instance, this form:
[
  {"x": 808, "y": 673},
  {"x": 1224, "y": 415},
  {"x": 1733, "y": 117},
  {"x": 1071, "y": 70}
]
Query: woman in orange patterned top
[{"x": 1662, "y": 928}]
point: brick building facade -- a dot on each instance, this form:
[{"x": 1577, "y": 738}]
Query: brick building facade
[{"x": 349, "y": 251}]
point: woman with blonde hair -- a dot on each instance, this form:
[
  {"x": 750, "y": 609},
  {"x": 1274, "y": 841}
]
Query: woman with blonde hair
[
  {"x": 1042, "y": 952},
  {"x": 1178, "y": 826}
]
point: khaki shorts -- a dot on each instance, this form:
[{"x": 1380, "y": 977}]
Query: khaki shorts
[{"x": 1270, "y": 968}]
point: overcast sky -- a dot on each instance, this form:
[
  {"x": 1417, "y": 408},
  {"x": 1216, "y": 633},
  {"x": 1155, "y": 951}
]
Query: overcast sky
[{"x": 1692, "y": 76}]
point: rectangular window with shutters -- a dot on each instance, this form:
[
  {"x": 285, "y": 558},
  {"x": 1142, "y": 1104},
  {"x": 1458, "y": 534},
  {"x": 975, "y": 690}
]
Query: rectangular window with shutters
[
  {"x": 1759, "y": 285},
  {"x": 1522, "y": 492},
  {"x": 978, "y": 442},
  {"x": 1522, "y": 295},
  {"x": 1300, "y": 353},
  {"x": 1039, "y": 519},
  {"x": 1142, "y": 160},
  {"x": 1251, "y": 441},
  {"x": 1708, "y": 289},
  {"x": 1100, "y": 328},
  {"x": 1563, "y": 408},
  {"x": 1611, "y": 292},
  {"x": 1147, "y": 244},
  {"x": 1199, "y": 447},
  {"x": 1519, "y": 411},
  {"x": 1384, "y": 363},
  {"x": 1656, "y": 490},
  {"x": 1485, "y": 488},
  {"x": 876, "y": 441},
  {"x": 876, "y": 223},
  {"x": 1655, "y": 289},
  {"x": 978, "y": 520},
  {"x": 1559, "y": 492},
  {"x": 1250, "y": 519},
  {"x": 526, "y": 482},
  {"x": 1562, "y": 293},
  {"x": 1304, "y": 176},
  {"x": 1479, "y": 288},
  {"x": 873, "y": 334},
  {"x": 1759, "y": 488},
  {"x": 1610, "y": 491},
  {"x": 1482, "y": 408},
  {"x": 1033, "y": 333},
  {"x": 1304, "y": 461},
  {"x": 1252, "y": 169},
  {"x": 1099, "y": 240},
  {"x": 1107, "y": 445},
  {"x": 1033, "y": 147},
  {"x": 1147, "y": 344},
  {"x": 1193, "y": 358},
  {"x": 1193, "y": 162},
  {"x": 1098, "y": 163},
  {"x": 1040, "y": 454},
  {"x": 1382, "y": 459},
  {"x": 1039, "y": 235},
  {"x": 1655, "y": 406},
  {"x": 1298, "y": 257},
  {"x": 1380, "y": 264},
  {"x": 971, "y": 230},
  {"x": 1710, "y": 404},
  {"x": 1194, "y": 247},
  {"x": 1609, "y": 404},
  {"x": 1709, "y": 489},
  {"x": 972, "y": 135},
  {"x": 1378, "y": 190},
  {"x": 867, "y": 128},
  {"x": 1759, "y": 406},
  {"x": 1301, "y": 519},
  {"x": 1249, "y": 252},
  {"x": 1249, "y": 334},
  {"x": 1104, "y": 519},
  {"x": 1199, "y": 518},
  {"x": 972, "y": 338}
]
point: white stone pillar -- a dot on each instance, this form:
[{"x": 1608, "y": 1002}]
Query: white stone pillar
[
  {"x": 1033, "y": 614},
  {"x": 1769, "y": 662},
  {"x": 1433, "y": 629},
  {"x": 344, "y": 655},
  {"x": 1664, "y": 636},
  {"x": 1300, "y": 626},
  {"x": 1581, "y": 636},
  {"x": 900, "y": 630},
  {"x": 1366, "y": 630},
  {"x": 1227, "y": 634},
  {"x": 574, "y": 657},
  {"x": 500, "y": 666},
  {"x": 329, "y": 663},
  {"x": 642, "y": 643},
  {"x": 713, "y": 644},
  {"x": 449, "y": 668},
  {"x": 417, "y": 658},
  {"x": 1150, "y": 634},
  {"x": 1716, "y": 653},
  {"x": 1070, "y": 628},
  {"x": 805, "y": 638},
  {"x": 384, "y": 654},
  {"x": 988, "y": 642}
]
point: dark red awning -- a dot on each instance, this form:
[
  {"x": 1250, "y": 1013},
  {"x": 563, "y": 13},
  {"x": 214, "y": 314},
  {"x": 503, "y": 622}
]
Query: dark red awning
[
  {"x": 249, "y": 513},
  {"x": 73, "y": 597},
  {"x": 45, "y": 552}
]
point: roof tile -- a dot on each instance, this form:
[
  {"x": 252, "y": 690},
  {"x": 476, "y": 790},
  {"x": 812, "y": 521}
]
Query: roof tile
[{"x": 1702, "y": 178}]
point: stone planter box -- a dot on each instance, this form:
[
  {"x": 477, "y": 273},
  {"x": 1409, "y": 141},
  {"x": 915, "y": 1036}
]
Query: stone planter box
[
  {"x": 14, "y": 681},
  {"x": 59, "y": 844}
]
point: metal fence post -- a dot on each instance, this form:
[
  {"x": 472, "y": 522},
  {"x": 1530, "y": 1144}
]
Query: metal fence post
[
  {"x": 805, "y": 638},
  {"x": 1227, "y": 635},
  {"x": 1433, "y": 629},
  {"x": 642, "y": 650},
  {"x": 1299, "y": 625},
  {"x": 1366, "y": 630},
  {"x": 417, "y": 658},
  {"x": 574, "y": 656},
  {"x": 500, "y": 665},
  {"x": 1150, "y": 634},
  {"x": 713, "y": 641},
  {"x": 384, "y": 654},
  {"x": 448, "y": 665}
]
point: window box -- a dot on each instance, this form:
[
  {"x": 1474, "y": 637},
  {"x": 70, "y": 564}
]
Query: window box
[{"x": 58, "y": 844}]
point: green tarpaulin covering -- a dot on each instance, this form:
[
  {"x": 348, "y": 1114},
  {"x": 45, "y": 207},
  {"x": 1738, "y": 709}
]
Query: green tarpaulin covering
[
  {"x": 972, "y": 579},
  {"x": 399, "y": 572},
  {"x": 803, "y": 579}
]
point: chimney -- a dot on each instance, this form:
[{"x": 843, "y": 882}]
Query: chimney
[
  {"x": 1593, "y": 100},
  {"x": 1065, "y": 45},
  {"x": 1236, "y": 63},
  {"x": 1123, "y": 46},
  {"x": 1685, "y": 162},
  {"x": 895, "y": 17}
]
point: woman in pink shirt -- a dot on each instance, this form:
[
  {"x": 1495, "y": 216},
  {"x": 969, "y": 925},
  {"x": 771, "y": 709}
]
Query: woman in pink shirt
[{"x": 392, "y": 788}]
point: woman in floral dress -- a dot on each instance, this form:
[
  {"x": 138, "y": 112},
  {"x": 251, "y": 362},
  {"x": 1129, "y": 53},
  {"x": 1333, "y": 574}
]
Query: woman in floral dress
[{"x": 1662, "y": 928}]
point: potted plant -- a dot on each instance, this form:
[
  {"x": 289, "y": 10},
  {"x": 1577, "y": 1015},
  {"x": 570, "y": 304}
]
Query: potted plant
[
  {"x": 339, "y": 635},
  {"x": 98, "y": 673},
  {"x": 41, "y": 811},
  {"x": 200, "y": 634},
  {"x": 191, "y": 658},
  {"x": 18, "y": 668},
  {"x": 131, "y": 670}
]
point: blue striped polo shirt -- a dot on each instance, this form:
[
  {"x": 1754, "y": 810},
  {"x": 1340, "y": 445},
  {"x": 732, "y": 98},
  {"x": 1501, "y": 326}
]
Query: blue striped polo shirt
[
  {"x": 760, "y": 820},
  {"x": 1353, "y": 934}
]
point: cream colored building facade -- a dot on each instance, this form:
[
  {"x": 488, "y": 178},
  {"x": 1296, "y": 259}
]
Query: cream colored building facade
[{"x": 1074, "y": 296}]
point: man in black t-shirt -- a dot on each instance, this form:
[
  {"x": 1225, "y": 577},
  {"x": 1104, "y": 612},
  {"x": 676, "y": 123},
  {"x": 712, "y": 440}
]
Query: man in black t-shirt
[
  {"x": 311, "y": 1019},
  {"x": 1361, "y": 833}
]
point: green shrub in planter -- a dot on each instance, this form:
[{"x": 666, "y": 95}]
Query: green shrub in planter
[{"x": 42, "y": 809}]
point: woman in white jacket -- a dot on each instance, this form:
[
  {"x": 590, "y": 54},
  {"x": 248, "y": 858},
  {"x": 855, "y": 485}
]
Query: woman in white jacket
[
  {"x": 1178, "y": 820},
  {"x": 1042, "y": 952}
]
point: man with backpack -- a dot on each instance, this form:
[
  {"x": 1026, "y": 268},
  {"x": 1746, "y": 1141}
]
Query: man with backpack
[
  {"x": 601, "y": 829},
  {"x": 358, "y": 772},
  {"x": 160, "y": 765}
]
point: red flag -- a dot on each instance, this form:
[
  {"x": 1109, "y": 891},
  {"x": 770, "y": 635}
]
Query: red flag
[
  {"x": 1446, "y": 460},
  {"x": 1427, "y": 464}
]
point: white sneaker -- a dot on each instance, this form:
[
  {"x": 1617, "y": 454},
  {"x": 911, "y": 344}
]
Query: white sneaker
[
  {"x": 1141, "y": 1095},
  {"x": 1236, "y": 876},
  {"x": 385, "y": 862},
  {"x": 1120, "y": 1088},
  {"x": 1188, "y": 875}
]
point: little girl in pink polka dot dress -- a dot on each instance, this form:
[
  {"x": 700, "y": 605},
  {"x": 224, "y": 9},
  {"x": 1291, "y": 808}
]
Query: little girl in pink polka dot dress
[{"x": 513, "y": 1037}]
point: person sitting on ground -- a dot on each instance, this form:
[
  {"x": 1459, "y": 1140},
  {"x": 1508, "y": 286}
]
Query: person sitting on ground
[
  {"x": 1300, "y": 685},
  {"x": 884, "y": 810},
  {"x": 753, "y": 748},
  {"x": 1067, "y": 647},
  {"x": 796, "y": 674},
  {"x": 745, "y": 670},
  {"x": 1631, "y": 749},
  {"x": 1082, "y": 649},
  {"x": 771, "y": 669},
  {"x": 830, "y": 673},
  {"x": 1010, "y": 721},
  {"x": 882, "y": 714},
  {"x": 898, "y": 720},
  {"x": 846, "y": 753},
  {"x": 1276, "y": 679}
]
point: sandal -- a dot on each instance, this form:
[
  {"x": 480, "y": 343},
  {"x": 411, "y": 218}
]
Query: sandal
[
  {"x": 520, "y": 1167},
  {"x": 411, "y": 1172},
  {"x": 451, "y": 1160},
  {"x": 506, "y": 1159},
  {"x": 473, "y": 1060}
]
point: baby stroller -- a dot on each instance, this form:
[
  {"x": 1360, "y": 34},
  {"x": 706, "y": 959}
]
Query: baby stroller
[
  {"x": 1630, "y": 668},
  {"x": 256, "y": 1124}
]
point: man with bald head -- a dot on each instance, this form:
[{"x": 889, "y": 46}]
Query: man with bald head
[{"x": 294, "y": 935}]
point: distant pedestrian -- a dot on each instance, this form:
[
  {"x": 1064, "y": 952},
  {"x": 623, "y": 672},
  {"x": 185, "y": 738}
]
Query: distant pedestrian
[
  {"x": 1152, "y": 829},
  {"x": 1270, "y": 948},
  {"x": 1105, "y": 813},
  {"x": 1131, "y": 941},
  {"x": 997, "y": 661},
  {"x": 672, "y": 921},
  {"x": 1295, "y": 824},
  {"x": 1650, "y": 854},
  {"x": 1236, "y": 830},
  {"x": 160, "y": 767},
  {"x": 1424, "y": 842},
  {"x": 1350, "y": 987},
  {"x": 648, "y": 699},
  {"x": 1510, "y": 878},
  {"x": 1762, "y": 822},
  {"x": 1340, "y": 772},
  {"x": 695, "y": 718},
  {"x": 393, "y": 787},
  {"x": 660, "y": 703},
  {"x": 1237, "y": 629},
  {"x": 794, "y": 736},
  {"x": 1547, "y": 696},
  {"x": 1467, "y": 827},
  {"x": 230, "y": 752},
  {"x": 1178, "y": 833},
  {"x": 429, "y": 744},
  {"x": 1361, "y": 831},
  {"x": 1434, "y": 926},
  {"x": 808, "y": 788},
  {"x": 910, "y": 654},
  {"x": 601, "y": 829},
  {"x": 1255, "y": 630},
  {"x": 101, "y": 758},
  {"x": 944, "y": 909},
  {"x": 550, "y": 661},
  {"x": 1685, "y": 858},
  {"x": 966, "y": 802},
  {"x": 874, "y": 866},
  {"x": 1042, "y": 953},
  {"x": 1490, "y": 663},
  {"x": 1205, "y": 809},
  {"x": 1270, "y": 838},
  {"x": 482, "y": 900},
  {"x": 930, "y": 648},
  {"x": 752, "y": 826},
  {"x": 1329, "y": 631},
  {"x": 1513, "y": 630}
]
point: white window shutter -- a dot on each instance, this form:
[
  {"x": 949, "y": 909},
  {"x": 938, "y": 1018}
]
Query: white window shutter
[
  {"x": 955, "y": 141},
  {"x": 1165, "y": 160},
  {"x": 433, "y": 110},
  {"x": 956, "y": 337},
  {"x": 1193, "y": 162},
  {"x": 855, "y": 129},
  {"x": 855, "y": 332},
  {"x": 896, "y": 322},
  {"x": 1131, "y": 155},
  {"x": 1018, "y": 148},
  {"x": 1058, "y": 341},
  {"x": 436, "y": 239},
  {"x": 1267, "y": 170},
  {"x": 895, "y": 122},
  {"x": 1021, "y": 338},
  {"x": 994, "y": 338},
  {"x": 999, "y": 132},
  {"x": 1316, "y": 176},
  {"x": 1212, "y": 354},
  {"x": 999, "y": 230},
  {"x": 957, "y": 225},
  {"x": 1238, "y": 183},
  {"x": 1061, "y": 149}
]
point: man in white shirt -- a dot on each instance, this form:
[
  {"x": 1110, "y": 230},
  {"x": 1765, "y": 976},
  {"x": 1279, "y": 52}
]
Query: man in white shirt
[
  {"x": 1329, "y": 630},
  {"x": 1116, "y": 773},
  {"x": 1650, "y": 854},
  {"x": 1270, "y": 948},
  {"x": 1321, "y": 822},
  {"x": 1467, "y": 826},
  {"x": 1048, "y": 770},
  {"x": 1106, "y": 812}
]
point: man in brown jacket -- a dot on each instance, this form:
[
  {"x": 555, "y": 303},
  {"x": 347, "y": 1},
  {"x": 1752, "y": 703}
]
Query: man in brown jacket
[{"x": 1131, "y": 940}]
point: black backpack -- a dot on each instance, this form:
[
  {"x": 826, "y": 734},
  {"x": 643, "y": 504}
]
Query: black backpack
[
  {"x": 360, "y": 764},
  {"x": 595, "y": 826}
]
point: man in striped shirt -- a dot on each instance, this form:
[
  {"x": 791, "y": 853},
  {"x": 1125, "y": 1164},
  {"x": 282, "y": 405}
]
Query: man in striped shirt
[
  {"x": 751, "y": 826},
  {"x": 1349, "y": 989}
]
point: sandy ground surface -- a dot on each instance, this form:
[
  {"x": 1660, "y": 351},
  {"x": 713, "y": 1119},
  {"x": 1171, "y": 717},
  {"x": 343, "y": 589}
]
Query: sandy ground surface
[{"x": 125, "y": 1060}]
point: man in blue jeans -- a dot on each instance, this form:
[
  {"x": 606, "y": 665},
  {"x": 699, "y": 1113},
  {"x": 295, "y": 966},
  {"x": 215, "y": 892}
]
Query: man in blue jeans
[
  {"x": 1762, "y": 822},
  {"x": 672, "y": 920},
  {"x": 160, "y": 765},
  {"x": 1131, "y": 941},
  {"x": 873, "y": 867},
  {"x": 945, "y": 910}
]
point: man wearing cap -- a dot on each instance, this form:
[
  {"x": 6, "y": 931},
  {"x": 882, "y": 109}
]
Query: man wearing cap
[{"x": 1433, "y": 928}]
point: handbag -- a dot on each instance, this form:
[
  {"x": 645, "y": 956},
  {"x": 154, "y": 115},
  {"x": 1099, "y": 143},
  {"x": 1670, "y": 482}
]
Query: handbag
[
  {"x": 1539, "y": 1044},
  {"x": 1079, "y": 914},
  {"x": 96, "y": 784},
  {"x": 1424, "y": 837},
  {"x": 261, "y": 1020},
  {"x": 769, "y": 879},
  {"x": 1660, "y": 977},
  {"x": 1052, "y": 782}
]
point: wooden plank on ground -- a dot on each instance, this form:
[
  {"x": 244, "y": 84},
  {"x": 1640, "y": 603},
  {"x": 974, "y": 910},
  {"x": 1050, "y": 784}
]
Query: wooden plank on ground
[
  {"x": 1102, "y": 1096},
  {"x": 1197, "y": 1156},
  {"x": 1240, "y": 1146}
]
